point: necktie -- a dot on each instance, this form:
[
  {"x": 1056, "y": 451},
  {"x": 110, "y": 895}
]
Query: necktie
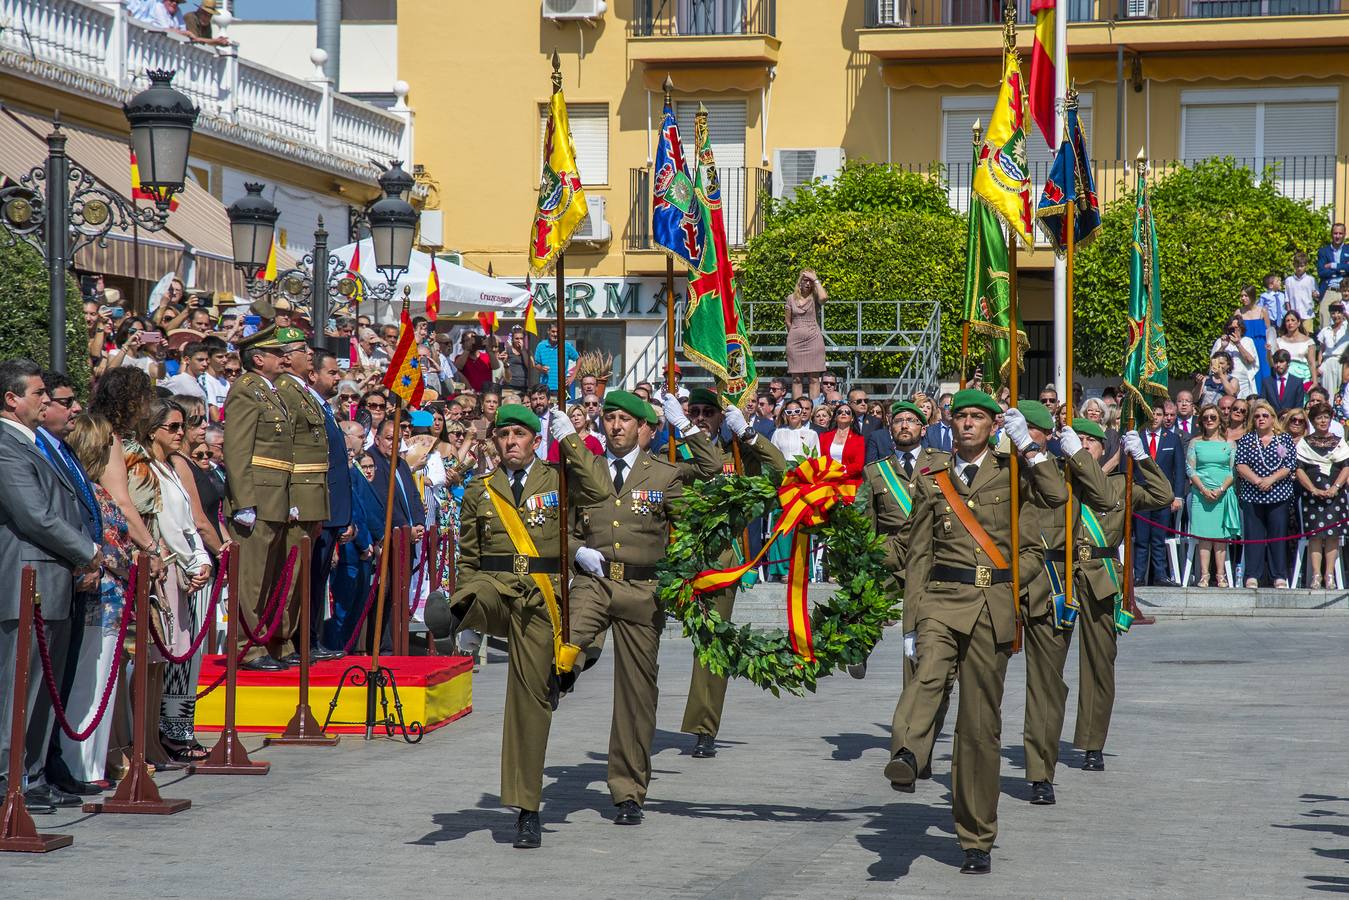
[
  {"x": 1282, "y": 379},
  {"x": 908, "y": 466},
  {"x": 619, "y": 466},
  {"x": 1152, "y": 444},
  {"x": 1185, "y": 425},
  {"x": 971, "y": 472},
  {"x": 86, "y": 492},
  {"x": 518, "y": 485}
]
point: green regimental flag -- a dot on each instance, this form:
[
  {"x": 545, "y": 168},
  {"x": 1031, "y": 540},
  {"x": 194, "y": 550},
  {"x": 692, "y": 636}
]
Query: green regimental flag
[
  {"x": 714, "y": 336},
  {"x": 987, "y": 285},
  {"x": 1145, "y": 362}
]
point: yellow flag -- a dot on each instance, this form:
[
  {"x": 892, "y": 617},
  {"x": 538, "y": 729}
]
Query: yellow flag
[
  {"x": 268, "y": 272},
  {"x": 562, "y": 201},
  {"x": 1002, "y": 178}
]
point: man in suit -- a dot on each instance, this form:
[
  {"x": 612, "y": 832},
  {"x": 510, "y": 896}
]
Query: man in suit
[
  {"x": 1187, "y": 426},
  {"x": 881, "y": 442},
  {"x": 857, "y": 399},
  {"x": 937, "y": 435},
  {"x": 1283, "y": 391},
  {"x": 41, "y": 525},
  {"x": 407, "y": 501},
  {"x": 1150, "y": 541},
  {"x": 323, "y": 378},
  {"x": 1332, "y": 265},
  {"x": 763, "y": 420},
  {"x": 354, "y": 571}
]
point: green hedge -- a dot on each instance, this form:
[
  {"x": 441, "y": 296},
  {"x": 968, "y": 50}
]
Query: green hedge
[{"x": 25, "y": 311}]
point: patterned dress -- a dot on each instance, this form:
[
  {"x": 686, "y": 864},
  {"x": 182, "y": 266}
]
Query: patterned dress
[{"x": 1319, "y": 459}]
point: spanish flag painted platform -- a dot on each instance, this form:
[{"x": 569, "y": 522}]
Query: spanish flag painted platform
[{"x": 435, "y": 690}]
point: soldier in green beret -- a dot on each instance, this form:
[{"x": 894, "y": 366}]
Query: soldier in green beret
[
  {"x": 259, "y": 456},
  {"x": 509, "y": 570},
  {"x": 707, "y": 692},
  {"x": 620, "y": 543},
  {"x": 958, "y": 573}
]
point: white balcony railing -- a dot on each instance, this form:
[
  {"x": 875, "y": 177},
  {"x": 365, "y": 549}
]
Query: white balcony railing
[{"x": 93, "y": 48}]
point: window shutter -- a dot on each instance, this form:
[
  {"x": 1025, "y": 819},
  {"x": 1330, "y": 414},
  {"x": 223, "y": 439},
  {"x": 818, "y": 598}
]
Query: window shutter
[
  {"x": 590, "y": 135},
  {"x": 1299, "y": 140},
  {"x": 1220, "y": 129},
  {"x": 726, "y": 136}
]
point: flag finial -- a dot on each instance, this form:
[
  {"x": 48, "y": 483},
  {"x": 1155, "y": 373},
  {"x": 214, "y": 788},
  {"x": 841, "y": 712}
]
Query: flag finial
[
  {"x": 977, "y": 129},
  {"x": 557, "y": 71},
  {"x": 1009, "y": 26},
  {"x": 668, "y": 87},
  {"x": 407, "y": 298}
]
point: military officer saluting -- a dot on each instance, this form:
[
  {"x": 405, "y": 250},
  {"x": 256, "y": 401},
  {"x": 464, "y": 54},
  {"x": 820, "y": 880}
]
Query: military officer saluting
[
  {"x": 622, "y": 540},
  {"x": 707, "y": 692},
  {"x": 958, "y": 574},
  {"x": 308, "y": 478},
  {"x": 510, "y": 541},
  {"x": 259, "y": 457}
]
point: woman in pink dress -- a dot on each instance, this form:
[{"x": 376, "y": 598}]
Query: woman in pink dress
[{"x": 805, "y": 341}]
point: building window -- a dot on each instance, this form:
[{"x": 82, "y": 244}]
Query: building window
[
  {"x": 590, "y": 134},
  {"x": 726, "y": 137}
]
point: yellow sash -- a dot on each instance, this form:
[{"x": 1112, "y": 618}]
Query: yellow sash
[{"x": 564, "y": 655}]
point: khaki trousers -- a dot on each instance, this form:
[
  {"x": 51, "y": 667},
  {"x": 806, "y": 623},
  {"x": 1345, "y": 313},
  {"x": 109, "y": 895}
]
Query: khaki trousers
[
  {"x": 1096, "y": 660},
  {"x": 1046, "y": 694},
  {"x": 897, "y": 723},
  {"x": 524, "y": 622},
  {"x": 262, "y": 555},
  {"x": 707, "y": 692},
  {"x": 628, "y": 609},
  {"x": 977, "y": 761}
]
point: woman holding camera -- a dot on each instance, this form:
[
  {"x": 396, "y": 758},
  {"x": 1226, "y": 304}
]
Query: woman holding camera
[
  {"x": 134, "y": 339},
  {"x": 1240, "y": 347}
]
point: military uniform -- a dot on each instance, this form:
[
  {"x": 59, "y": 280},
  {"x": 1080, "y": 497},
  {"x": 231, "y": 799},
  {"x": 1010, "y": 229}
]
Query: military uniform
[
  {"x": 965, "y": 620},
  {"x": 498, "y": 597},
  {"x": 259, "y": 459},
  {"x": 707, "y": 692},
  {"x": 630, "y": 530},
  {"x": 308, "y": 491}
]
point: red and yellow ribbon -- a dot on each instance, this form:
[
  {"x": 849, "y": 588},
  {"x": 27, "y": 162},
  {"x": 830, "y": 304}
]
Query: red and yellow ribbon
[{"x": 807, "y": 494}]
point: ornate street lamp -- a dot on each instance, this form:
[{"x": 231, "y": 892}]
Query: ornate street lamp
[
  {"x": 252, "y": 228},
  {"x": 393, "y": 223},
  {"x": 161, "y": 121}
]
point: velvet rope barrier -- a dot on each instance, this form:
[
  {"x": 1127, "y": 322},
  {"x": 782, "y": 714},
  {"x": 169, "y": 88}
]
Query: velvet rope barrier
[
  {"x": 1220, "y": 540},
  {"x": 356, "y": 632},
  {"x": 208, "y": 623},
  {"x": 275, "y": 611}
]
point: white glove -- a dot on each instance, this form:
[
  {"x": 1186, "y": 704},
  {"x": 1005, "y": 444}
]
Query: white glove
[
  {"x": 559, "y": 424},
  {"x": 246, "y": 517},
  {"x": 591, "y": 561},
  {"x": 736, "y": 420},
  {"x": 674, "y": 413},
  {"x": 1018, "y": 432},
  {"x": 295, "y": 513},
  {"x": 911, "y": 644},
  {"x": 1133, "y": 445},
  {"x": 1069, "y": 441}
]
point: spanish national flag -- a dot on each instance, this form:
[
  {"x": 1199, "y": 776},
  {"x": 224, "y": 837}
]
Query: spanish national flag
[
  {"x": 404, "y": 375},
  {"x": 531, "y": 325},
  {"x": 433, "y": 293},
  {"x": 140, "y": 193},
  {"x": 1042, "y": 70},
  {"x": 488, "y": 321},
  {"x": 268, "y": 273}
]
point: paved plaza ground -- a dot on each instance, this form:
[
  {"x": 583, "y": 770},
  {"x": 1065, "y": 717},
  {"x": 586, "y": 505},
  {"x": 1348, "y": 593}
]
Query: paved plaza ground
[{"x": 1227, "y": 775}]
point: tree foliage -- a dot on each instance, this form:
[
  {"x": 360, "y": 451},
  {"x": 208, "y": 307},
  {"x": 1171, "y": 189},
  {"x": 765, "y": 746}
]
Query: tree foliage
[
  {"x": 1219, "y": 228},
  {"x": 25, "y": 310},
  {"x": 877, "y": 233}
]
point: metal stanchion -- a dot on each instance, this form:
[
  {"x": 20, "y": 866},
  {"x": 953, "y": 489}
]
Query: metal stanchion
[
  {"x": 228, "y": 756},
  {"x": 432, "y": 579},
  {"x": 137, "y": 792},
  {"x": 400, "y": 642},
  {"x": 304, "y": 728},
  {"x": 18, "y": 834}
]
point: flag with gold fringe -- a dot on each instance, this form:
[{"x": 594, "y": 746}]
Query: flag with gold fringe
[
  {"x": 404, "y": 375},
  {"x": 561, "y": 204},
  {"x": 987, "y": 294},
  {"x": 1146, "y": 367},
  {"x": 1070, "y": 181},
  {"x": 1001, "y": 175}
]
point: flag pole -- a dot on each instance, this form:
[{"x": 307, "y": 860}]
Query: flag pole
[
  {"x": 1129, "y": 423},
  {"x": 977, "y": 134},
  {"x": 1014, "y": 366},
  {"x": 560, "y": 304},
  {"x": 1062, "y": 323},
  {"x": 669, "y": 318},
  {"x": 1068, "y": 541}
]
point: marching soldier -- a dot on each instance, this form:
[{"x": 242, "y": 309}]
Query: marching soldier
[
  {"x": 259, "y": 457},
  {"x": 621, "y": 542},
  {"x": 308, "y": 477},
  {"x": 508, "y": 583},
  {"x": 707, "y": 692},
  {"x": 891, "y": 481},
  {"x": 958, "y": 574},
  {"x": 1045, "y": 610}
]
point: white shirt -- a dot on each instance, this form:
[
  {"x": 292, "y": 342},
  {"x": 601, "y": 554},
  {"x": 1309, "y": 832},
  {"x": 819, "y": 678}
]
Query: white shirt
[
  {"x": 1299, "y": 291},
  {"x": 961, "y": 464},
  {"x": 911, "y": 455},
  {"x": 629, "y": 459},
  {"x": 186, "y": 385},
  {"x": 215, "y": 387},
  {"x": 21, "y": 429},
  {"x": 794, "y": 442},
  {"x": 510, "y": 475},
  {"x": 158, "y": 17}
]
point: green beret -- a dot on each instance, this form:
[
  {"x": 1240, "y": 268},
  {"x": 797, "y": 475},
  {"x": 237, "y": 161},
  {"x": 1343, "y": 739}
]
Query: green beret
[
  {"x": 291, "y": 335},
  {"x": 704, "y": 397},
  {"x": 1088, "y": 428},
  {"x": 1037, "y": 414},
  {"x": 262, "y": 339},
  {"x": 631, "y": 404},
  {"x": 907, "y": 406},
  {"x": 515, "y": 414},
  {"x": 978, "y": 399}
]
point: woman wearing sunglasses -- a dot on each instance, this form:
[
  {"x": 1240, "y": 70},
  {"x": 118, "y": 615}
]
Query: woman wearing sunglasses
[{"x": 1215, "y": 517}]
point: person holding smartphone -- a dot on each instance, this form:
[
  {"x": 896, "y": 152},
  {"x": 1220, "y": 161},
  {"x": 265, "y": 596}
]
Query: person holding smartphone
[
  {"x": 133, "y": 340},
  {"x": 1242, "y": 351}
]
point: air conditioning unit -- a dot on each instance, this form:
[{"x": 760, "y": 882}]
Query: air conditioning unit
[
  {"x": 558, "y": 10},
  {"x": 594, "y": 230},
  {"x": 793, "y": 168},
  {"x": 891, "y": 13},
  {"x": 1140, "y": 9}
]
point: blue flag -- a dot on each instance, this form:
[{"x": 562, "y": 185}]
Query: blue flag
[
  {"x": 675, "y": 221},
  {"x": 1070, "y": 181}
]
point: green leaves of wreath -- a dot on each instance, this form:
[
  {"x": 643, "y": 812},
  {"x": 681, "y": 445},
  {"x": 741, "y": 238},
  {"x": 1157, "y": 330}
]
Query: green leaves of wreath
[{"x": 844, "y": 629}]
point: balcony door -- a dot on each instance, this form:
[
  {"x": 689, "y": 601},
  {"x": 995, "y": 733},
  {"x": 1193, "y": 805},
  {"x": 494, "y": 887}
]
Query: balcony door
[
  {"x": 712, "y": 17},
  {"x": 726, "y": 136}
]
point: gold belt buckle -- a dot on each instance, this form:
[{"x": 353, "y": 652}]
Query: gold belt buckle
[
  {"x": 520, "y": 564},
  {"x": 983, "y": 576},
  {"x": 616, "y": 571},
  {"x": 1083, "y": 553}
]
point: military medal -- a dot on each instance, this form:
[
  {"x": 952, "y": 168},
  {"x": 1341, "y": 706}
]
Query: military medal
[
  {"x": 537, "y": 504},
  {"x": 643, "y": 501}
]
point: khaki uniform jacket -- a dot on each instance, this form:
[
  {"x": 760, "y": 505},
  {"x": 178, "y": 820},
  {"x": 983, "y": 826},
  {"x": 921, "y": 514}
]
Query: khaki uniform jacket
[
  {"x": 888, "y": 518},
  {"x": 936, "y": 537},
  {"x": 258, "y": 449},
  {"x": 481, "y": 531},
  {"x": 1152, "y": 490},
  {"x": 1043, "y": 526},
  {"x": 309, "y": 478}
]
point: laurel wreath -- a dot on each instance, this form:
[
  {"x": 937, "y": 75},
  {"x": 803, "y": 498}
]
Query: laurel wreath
[{"x": 844, "y": 629}]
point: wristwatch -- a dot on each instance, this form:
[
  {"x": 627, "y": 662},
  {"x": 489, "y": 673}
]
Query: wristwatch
[{"x": 1032, "y": 448}]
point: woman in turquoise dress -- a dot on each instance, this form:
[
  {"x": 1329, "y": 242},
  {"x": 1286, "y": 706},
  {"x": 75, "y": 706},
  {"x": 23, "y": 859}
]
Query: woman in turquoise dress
[{"x": 1215, "y": 516}]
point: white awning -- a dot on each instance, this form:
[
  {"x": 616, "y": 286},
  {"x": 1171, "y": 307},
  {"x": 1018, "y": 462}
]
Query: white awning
[{"x": 462, "y": 291}]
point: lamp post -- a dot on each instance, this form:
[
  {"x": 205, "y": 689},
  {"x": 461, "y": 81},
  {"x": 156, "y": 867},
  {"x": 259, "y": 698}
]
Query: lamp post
[
  {"x": 320, "y": 277},
  {"x": 59, "y": 209}
]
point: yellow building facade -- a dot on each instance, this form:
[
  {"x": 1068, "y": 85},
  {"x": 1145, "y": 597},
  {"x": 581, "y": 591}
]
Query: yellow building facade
[{"x": 880, "y": 80}]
